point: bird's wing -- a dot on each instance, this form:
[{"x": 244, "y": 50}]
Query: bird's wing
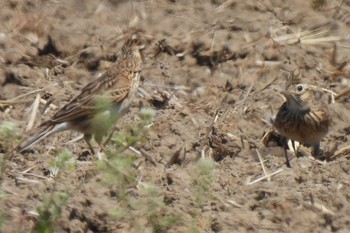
[
  {"x": 319, "y": 118},
  {"x": 109, "y": 89}
]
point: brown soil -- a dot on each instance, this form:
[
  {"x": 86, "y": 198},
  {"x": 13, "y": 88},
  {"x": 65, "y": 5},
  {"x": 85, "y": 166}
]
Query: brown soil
[{"x": 224, "y": 60}]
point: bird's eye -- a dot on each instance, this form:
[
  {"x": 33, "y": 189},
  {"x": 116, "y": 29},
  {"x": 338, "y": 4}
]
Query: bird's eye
[{"x": 300, "y": 88}]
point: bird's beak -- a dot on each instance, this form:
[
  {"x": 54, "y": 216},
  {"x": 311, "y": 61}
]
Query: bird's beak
[
  {"x": 291, "y": 98},
  {"x": 141, "y": 47},
  {"x": 287, "y": 94}
]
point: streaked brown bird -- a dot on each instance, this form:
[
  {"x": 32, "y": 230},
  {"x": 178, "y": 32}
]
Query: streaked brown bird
[
  {"x": 100, "y": 103},
  {"x": 302, "y": 117}
]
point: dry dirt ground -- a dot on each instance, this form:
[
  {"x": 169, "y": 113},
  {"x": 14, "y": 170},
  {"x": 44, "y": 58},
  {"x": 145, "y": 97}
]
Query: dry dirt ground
[{"x": 195, "y": 167}]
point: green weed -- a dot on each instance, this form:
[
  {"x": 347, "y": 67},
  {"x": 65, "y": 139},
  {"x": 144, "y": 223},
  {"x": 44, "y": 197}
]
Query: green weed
[
  {"x": 54, "y": 203},
  {"x": 204, "y": 177},
  {"x": 51, "y": 211},
  {"x": 121, "y": 172}
]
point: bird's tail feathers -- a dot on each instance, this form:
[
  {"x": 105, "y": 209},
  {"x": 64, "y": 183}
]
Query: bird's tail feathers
[{"x": 43, "y": 133}]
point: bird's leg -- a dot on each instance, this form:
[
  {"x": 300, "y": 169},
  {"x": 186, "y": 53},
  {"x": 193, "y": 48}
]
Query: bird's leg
[
  {"x": 284, "y": 142},
  {"x": 286, "y": 156},
  {"x": 99, "y": 154},
  {"x": 102, "y": 147},
  {"x": 316, "y": 150},
  {"x": 108, "y": 138},
  {"x": 87, "y": 138},
  {"x": 295, "y": 148}
]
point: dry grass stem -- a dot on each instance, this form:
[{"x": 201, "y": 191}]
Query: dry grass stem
[
  {"x": 203, "y": 152},
  {"x": 133, "y": 149},
  {"x": 316, "y": 37},
  {"x": 26, "y": 181},
  {"x": 263, "y": 63},
  {"x": 234, "y": 203},
  {"x": 265, "y": 177},
  {"x": 223, "y": 6},
  {"x": 9, "y": 191},
  {"x": 33, "y": 113},
  {"x": 268, "y": 84},
  {"x": 262, "y": 165},
  {"x": 342, "y": 152},
  {"x": 52, "y": 146},
  {"x": 325, "y": 90},
  {"x": 52, "y": 106},
  {"x": 15, "y": 100},
  {"x": 248, "y": 93},
  {"x": 35, "y": 175},
  {"x": 342, "y": 93},
  {"x": 33, "y": 213},
  {"x": 241, "y": 103},
  {"x": 27, "y": 170},
  {"x": 172, "y": 87},
  {"x": 76, "y": 139},
  {"x": 143, "y": 93},
  {"x": 320, "y": 207},
  {"x": 59, "y": 60}
]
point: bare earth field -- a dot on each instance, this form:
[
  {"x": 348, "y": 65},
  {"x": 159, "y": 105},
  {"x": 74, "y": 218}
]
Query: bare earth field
[{"x": 197, "y": 125}]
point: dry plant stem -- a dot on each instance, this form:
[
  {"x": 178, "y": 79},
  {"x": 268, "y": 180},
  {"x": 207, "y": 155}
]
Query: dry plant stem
[
  {"x": 51, "y": 146},
  {"x": 61, "y": 61},
  {"x": 223, "y": 6},
  {"x": 267, "y": 134},
  {"x": 109, "y": 137},
  {"x": 130, "y": 148},
  {"x": 123, "y": 143},
  {"x": 116, "y": 168},
  {"x": 262, "y": 165},
  {"x": 265, "y": 177},
  {"x": 13, "y": 100},
  {"x": 203, "y": 152},
  {"x": 234, "y": 203},
  {"x": 338, "y": 9},
  {"x": 35, "y": 175},
  {"x": 242, "y": 142},
  {"x": 241, "y": 103},
  {"x": 333, "y": 58},
  {"x": 27, "y": 170},
  {"x": 146, "y": 154},
  {"x": 52, "y": 106},
  {"x": 342, "y": 93},
  {"x": 24, "y": 101},
  {"x": 80, "y": 137},
  {"x": 33, "y": 213},
  {"x": 325, "y": 90},
  {"x": 172, "y": 87},
  {"x": 143, "y": 92},
  {"x": 27, "y": 181},
  {"x": 307, "y": 37},
  {"x": 332, "y": 99},
  {"x": 248, "y": 93},
  {"x": 264, "y": 63},
  {"x": 318, "y": 207},
  {"x": 323, "y": 208},
  {"x": 268, "y": 84},
  {"x": 342, "y": 152},
  {"x": 9, "y": 191},
  {"x": 33, "y": 113}
]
